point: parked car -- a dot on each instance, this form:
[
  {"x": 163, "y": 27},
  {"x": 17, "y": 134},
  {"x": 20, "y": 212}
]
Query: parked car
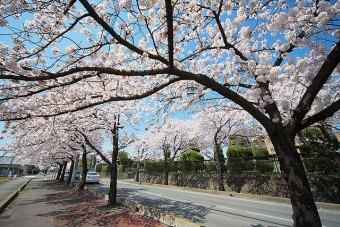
[
  {"x": 67, "y": 174},
  {"x": 77, "y": 175},
  {"x": 92, "y": 177}
]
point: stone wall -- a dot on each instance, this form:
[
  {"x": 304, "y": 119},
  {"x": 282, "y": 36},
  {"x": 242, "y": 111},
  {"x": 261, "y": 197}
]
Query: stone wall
[{"x": 325, "y": 189}]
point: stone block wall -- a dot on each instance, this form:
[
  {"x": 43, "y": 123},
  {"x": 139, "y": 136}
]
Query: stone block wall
[{"x": 324, "y": 188}]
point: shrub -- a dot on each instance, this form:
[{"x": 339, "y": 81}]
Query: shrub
[
  {"x": 191, "y": 161},
  {"x": 105, "y": 169}
]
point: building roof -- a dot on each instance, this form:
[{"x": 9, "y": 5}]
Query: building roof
[{"x": 6, "y": 160}]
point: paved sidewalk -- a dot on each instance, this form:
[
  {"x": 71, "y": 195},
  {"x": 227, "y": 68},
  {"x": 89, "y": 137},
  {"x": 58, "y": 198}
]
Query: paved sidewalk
[
  {"x": 49, "y": 203},
  {"x": 9, "y": 190},
  {"x": 31, "y": 208}
]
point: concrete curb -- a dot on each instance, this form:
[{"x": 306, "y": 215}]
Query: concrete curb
[
  {"x": 8, "y": 199},
  {"x": 167, "y": 219}
]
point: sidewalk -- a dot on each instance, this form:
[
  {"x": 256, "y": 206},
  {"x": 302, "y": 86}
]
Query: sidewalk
[
  {"x": 49, "y": 203},
  {"x": 9, "y": 190}
]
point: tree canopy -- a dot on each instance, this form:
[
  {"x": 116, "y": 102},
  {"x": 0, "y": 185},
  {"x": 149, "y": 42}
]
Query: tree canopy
[{"x": 277, "y": 60}]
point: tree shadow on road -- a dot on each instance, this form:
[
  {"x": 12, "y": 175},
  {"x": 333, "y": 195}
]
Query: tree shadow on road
[{"x": 187, "y": 210}]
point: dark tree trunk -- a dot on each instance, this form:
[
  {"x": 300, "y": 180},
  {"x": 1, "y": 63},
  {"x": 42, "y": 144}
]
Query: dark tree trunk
[
  {"x": 84, "y": 171},
  {"x": 63, "y": 171},
  {"x": 305, "y": 212},
  {"x": 113, "y": 185},
  {"x": 71, "y": 172},
  {"x": 59, "y": 171},
  {"x": 166, "y": 176},
  {"x": 113, "y": 165},
  {"x": 137, "y": 172},
  {"x": 220, "y": 182},
  {"x": 219, "y": 161},
  {"x": 166, "y": 164}
]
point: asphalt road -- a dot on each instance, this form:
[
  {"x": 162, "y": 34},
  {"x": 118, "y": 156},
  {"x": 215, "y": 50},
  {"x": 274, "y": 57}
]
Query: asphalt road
[{"x": 215, "y": 210}]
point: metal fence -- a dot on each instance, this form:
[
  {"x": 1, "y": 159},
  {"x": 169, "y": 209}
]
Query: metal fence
[{"x": 262, "y": 165}]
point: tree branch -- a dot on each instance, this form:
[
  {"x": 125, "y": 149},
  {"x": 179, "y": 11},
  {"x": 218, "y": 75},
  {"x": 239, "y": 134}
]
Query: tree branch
[
  {"x": 313, "y": 89},
  {"x": 169, "y": 21},
  {"x": 325, "y": 113},
  {"x": 119, "y": 39},
  {"x": 112, "y": 99}
]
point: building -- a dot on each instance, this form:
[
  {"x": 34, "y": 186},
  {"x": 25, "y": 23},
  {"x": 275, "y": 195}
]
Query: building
[{"x": 10, "y": 164}]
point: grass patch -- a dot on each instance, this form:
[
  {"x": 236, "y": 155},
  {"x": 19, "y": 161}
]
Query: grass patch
[{"x": 4, "y": 180}]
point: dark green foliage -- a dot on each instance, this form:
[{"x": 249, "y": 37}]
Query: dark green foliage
[
  {"x": 120, "y": 168},
  {"x": 123, "y": 159},
  {"x": 314, "y": 142},
  {"x": 241, "y": 159},
  {"x": 262, "y": 163},
  {"x": 191, "y": 161},
  {"x": 237, "y": 152},
  {"x": 236, "y": 159},
  {"x": 105, "y": 168},
  {"x": 192, "y": 155},
  {"x": 158, "y": 166},
  {"x": 260, "y": 153},
  {"x": 99, "y": 167}
]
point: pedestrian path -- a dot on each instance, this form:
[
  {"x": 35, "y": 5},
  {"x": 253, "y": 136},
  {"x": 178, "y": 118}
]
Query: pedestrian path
[
  {"x": 32, "y": 207},
  {"x": 9, "y": 190}
]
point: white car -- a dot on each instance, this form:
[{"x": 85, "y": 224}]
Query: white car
[{"x": 92, "y": 177}]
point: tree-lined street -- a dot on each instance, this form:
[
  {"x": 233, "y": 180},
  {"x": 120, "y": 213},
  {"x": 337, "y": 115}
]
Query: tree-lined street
[{"x": 86, "y": 78}]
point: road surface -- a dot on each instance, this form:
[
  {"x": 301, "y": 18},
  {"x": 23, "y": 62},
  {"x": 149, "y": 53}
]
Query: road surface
[{"x": 215, "y": 210}]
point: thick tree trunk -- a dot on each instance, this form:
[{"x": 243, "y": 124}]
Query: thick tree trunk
[
  {"x": 166, "y": 176},
  {"x": 113, "y": 185},
  {"x": 59, "y": 171},
  {"x": 219, "y": 162},
  {"x": 113, "y": 166},
  {"x": 137, "y": 173},
  {"x": 84, "y": 172},
  {"x": 220, "y": 182},
  {"x": 74, "y": 171},
  {"x": 305, "y": 212},
  {"x": 71, "y": 172},
  {"x": 63, "y": 172},
  {"x": 219, "y": 169}
]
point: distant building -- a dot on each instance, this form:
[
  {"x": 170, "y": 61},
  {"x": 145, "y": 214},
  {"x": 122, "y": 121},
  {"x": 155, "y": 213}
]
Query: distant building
[
  {"x": 14, "y": 165},
  {"x": 10, "y": 164}
]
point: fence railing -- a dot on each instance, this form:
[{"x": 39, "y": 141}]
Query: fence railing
[{"x": 265, "y": 164}]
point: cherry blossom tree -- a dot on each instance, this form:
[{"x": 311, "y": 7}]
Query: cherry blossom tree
[
  {"x": 118, "y": 143},
  {"x": 37, "y": 143},
  {"x": 173, "y": 139},
  {"x": 278, "y": 60},
  {"x": 215, "y": 127},
  {"x": 141, "y": 151}
]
